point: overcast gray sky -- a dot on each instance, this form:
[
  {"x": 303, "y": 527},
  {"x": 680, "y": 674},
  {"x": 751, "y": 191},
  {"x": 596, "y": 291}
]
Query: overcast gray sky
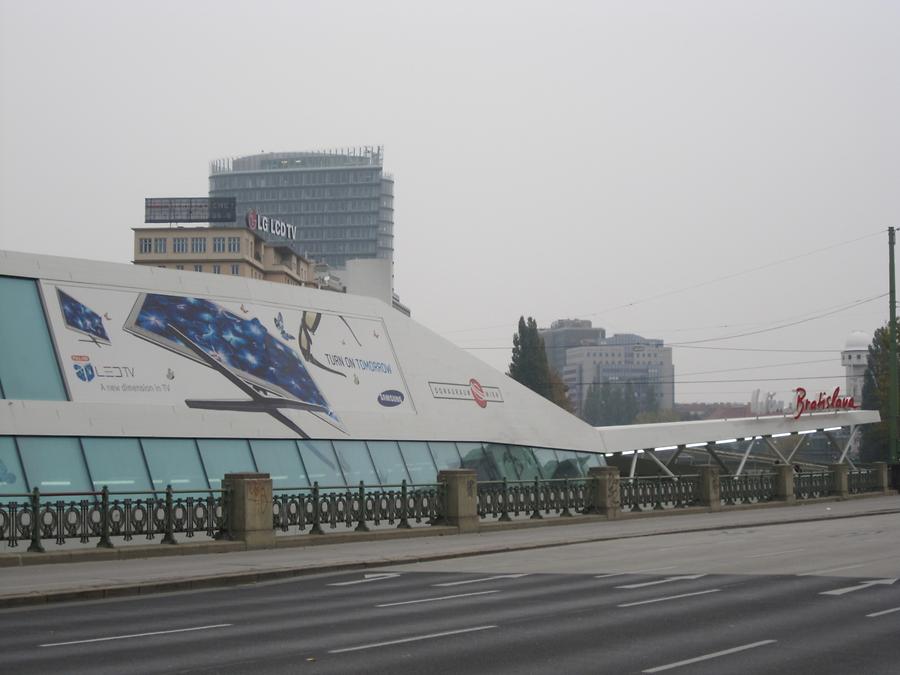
[{"x": 600, "y": 160}]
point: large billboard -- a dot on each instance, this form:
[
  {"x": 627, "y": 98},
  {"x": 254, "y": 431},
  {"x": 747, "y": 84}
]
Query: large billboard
[
  {"x": 190, "y": 210},
  {"x": 300, "y": 366}
]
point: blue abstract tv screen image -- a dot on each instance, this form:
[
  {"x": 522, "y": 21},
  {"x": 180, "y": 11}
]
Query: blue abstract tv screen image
[
  {"x": 81, "y": 318},
  {"x": 244, "y": 346}
]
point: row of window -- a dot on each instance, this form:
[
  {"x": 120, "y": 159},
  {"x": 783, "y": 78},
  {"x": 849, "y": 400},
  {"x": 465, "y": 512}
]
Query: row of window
[
  {"x": 215, "y": 268},
  {"x": 294, "y": 178},
  {"x": 134, "y": 465},
  {"x": 198, "y": 244},
  {"x": 341, "y": 247}
]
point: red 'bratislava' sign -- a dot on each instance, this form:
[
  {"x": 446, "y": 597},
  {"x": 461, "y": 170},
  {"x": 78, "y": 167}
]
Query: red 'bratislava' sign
[{"x": 824, "y": 402}]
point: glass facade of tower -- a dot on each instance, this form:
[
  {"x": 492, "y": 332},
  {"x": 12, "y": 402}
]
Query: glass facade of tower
[{"x": 341, "y": 201}]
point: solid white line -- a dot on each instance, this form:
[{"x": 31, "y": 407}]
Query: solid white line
[
  {"x": 669, "y": 597},
  {"x": 765, "y": 555},
  {"x": 619, "y": 574},
  {"x": 445, "y": 597},
  {"x": 135, "y": 635},
  {"x": 833, "y": 569},
  {"x": 410, "y": 639},
  {"x": 706, "y": 657},
  {"x": 886, "y": 611}
]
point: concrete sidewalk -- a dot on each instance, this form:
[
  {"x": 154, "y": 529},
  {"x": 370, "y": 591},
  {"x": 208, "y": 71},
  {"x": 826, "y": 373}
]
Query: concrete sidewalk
[{"x": 39, "y": 584}]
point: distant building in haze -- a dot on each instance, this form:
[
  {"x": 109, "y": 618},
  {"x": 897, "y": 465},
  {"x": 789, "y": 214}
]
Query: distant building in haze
[
  {"x": 583, "y": 355},
  {"x": 855, "y": 359},
  {"x": 341, "y": 202}
]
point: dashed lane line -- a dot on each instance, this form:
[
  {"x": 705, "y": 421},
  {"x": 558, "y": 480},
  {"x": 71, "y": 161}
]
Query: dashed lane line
[
  {"x": 707, "y": 657},
  {"x": 136, "y": 635},
  {"x": 443, "y": 597},
  {"x": 669, "y": 597},
  {"x": 415, "y": 638}
]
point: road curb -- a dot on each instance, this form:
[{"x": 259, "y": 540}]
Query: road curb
[{"x": 241, "y": 578}]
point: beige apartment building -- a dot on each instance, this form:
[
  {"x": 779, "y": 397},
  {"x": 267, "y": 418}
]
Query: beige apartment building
[{"x": 222, "y": 250}]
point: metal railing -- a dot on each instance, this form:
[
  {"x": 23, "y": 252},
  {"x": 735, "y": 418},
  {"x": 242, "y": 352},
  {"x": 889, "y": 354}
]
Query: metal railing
[
  {"x": 59, "y": 516},
  {"x": 863, "y": 480},
  {"x": 812, "y": 484},
  {"x": 657, "y": 493},
  {"x": 505, "y": 499},
  {"x": 747, "y": 489},
  {"x": 318, "y": 506}
]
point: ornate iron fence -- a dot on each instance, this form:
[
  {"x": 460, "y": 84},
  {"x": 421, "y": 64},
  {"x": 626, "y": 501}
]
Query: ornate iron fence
[
  {"x": 810, "y": 485},
  {"x": 319, "y": 506},
  {"x": 747, "y": 489},
  {"x": 656, "y": 493},
  {"x": 863, "y": 480},
  {"x": 60, "y": 516},
  {"x": 505, "y": 499}
]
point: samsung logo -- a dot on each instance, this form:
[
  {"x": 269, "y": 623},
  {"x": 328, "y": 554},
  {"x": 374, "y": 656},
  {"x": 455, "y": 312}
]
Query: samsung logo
[{"x": 390, "y": 398}]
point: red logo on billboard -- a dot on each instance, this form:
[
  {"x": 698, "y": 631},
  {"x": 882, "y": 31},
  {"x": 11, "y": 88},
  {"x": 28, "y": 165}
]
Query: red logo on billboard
[
  {"x": 824, "y": 402},
  {"x": 252, "y": 219},
  {"x": 477, "y": 393}
]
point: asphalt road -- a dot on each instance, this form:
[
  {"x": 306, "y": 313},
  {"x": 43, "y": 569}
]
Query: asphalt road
[{"x": 802, "y": 598}]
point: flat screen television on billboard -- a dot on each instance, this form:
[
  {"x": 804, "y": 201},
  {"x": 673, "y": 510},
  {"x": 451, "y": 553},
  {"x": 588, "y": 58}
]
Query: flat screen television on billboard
[
  {"x": 208, "y": 333},
  {"x": 82, "y": 319}
]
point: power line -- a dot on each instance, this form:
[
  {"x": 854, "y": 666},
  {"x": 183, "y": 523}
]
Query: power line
[{"x": 699, "y": 284}]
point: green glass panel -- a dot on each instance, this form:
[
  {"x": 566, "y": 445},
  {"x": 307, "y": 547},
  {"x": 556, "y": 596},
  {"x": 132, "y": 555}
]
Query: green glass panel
[
  {"x": 523, "y": 459},
  {"x": 224, "y": 455},
  {"x": 547, "y": 461},
  {"x": 12, "y": 480},
  {"x": 419, "y": 461},
  {"x": 388, "y": 462},
  {"x": 281, "y": 460},
  {"x": 493, "y": 461},
  {"x": 175, "y": 462},
  {"x": 54, "y": 464},
  {"x": 446, "y": 456},
  {"x": 118, "y": 464},
  {"x": 356, "y": 463},
  {"x": 28, "y": 365},
  {"x": 321, "y": 463},
  {"x": 571, "y": 464}
]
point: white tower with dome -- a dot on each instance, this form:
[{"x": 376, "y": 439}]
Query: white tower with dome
[{"x": 854, "y": 357}]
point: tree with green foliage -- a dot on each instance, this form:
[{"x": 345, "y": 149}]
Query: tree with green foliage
[
  {"x": 874, "y": 447},
  {"x": 529, "y": 365}
]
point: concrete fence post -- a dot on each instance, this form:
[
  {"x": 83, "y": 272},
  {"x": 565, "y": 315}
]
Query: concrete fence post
[
  {"x": 709, "y": 488},
  {"x": 604, "y": 486},
  {"x": 784, "y": 483},
  {"x": 250, "y": 508},
  {"x": 840, "y": 480},
  {"x": 460, "y": 499},
  {"x": 882, "y": 479}
]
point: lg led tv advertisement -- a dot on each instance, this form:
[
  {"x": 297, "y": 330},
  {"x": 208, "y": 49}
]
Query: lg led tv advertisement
[{"x": 300, "y": 366}]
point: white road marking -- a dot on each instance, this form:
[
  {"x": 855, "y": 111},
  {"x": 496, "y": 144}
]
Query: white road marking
[
  {"x": 410, "y": 639},
  {"x": 833, "y": 569},
  {"x": 860, "y": 586},
  {"x": 883, "y": 612},
  {"x": 662, "y": 581},
  {"x": 669, "y": 597},
  {"x": 136, "y": 635},
  {"x": 766, "y": 555},
  {"x": 706, "y": 657},
  {"x": 475, "y": 581},
  {"x": 381, "y": 576},
  {"x": 444, "y": 597},
  {"x": 619, "y": 574}
]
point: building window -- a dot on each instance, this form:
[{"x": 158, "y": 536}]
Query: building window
[
  {"x": 198, "y": 244},
  {"x": 198, "y": 268},
  {"x": 219, "y": 244},
  {"x": 234, "y": 244},
  {"x": 217, "y": 269},
  {"x": 159, "y": 245},
  {"x": 146, "y": 245},
  {"x": 179, "y": 267},
  {"x": 235, "y": 269},
  {"x": 179, "y": 244}
]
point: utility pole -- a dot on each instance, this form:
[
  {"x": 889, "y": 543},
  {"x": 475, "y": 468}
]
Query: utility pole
[{"x": 892, "y": 358}]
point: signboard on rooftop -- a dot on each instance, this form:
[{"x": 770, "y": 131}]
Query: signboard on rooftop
[{"x": 189, "y": 210}]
